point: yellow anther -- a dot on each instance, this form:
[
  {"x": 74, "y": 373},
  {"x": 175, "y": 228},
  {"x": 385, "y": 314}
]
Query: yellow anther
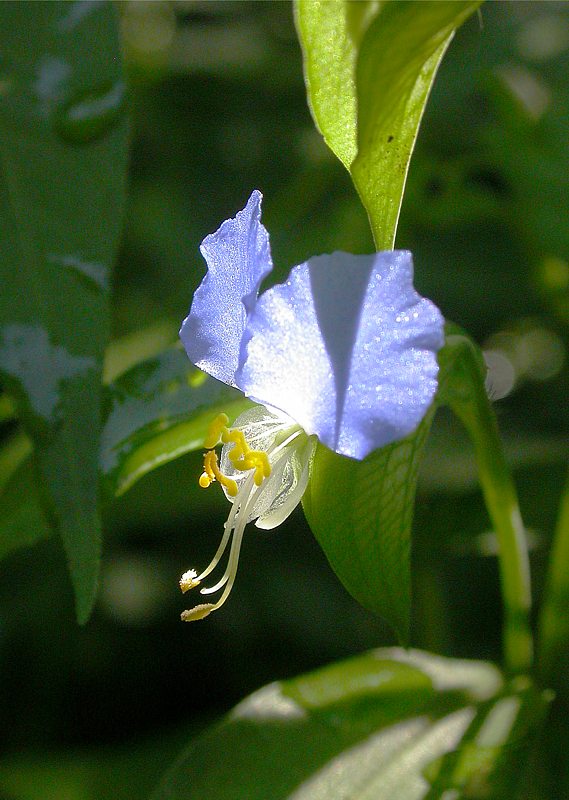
[
  {"x": 260, "y": 461},
  {"x": 208, "y": 475},
  {"x": 198, "y": 612},
  {"x": 216, "y": 430},
  {"x": 230, "y": 485},
  {"x": 204, "y": 480},
  {"x": 241, "y": 448},
  {"x": 244, "y": 464},
  {"x": 213, "y": 473},
  {"x": 240, "y": 455}
]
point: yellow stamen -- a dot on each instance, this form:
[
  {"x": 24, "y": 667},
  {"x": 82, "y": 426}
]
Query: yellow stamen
[
  {"x": 216, "y": 430},
  {"x": 213, "y": 473},
  {"x": 245, "y": 493},
  {"x": 241, "y": 448},
  {"x": 204, "y": 480},
  {"x": 264, "y": 464},
  {"x": 241, "y": 456}
]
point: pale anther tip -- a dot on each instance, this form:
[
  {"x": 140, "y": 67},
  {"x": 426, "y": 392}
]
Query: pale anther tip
[
  {"x": 189, "y": 580},
  {"x": 196, "y": 613}
]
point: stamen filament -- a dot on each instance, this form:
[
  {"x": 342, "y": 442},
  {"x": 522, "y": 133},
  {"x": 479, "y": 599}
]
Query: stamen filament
[
  {"x": 221, "y": 582},
  {"x": 274, "y": 449},
  {"x": 235, "y": 525},
  {"x": 230, "y": 526},
  {"x": 233, "y": 562},
  {"x": 217, "y": 557}
]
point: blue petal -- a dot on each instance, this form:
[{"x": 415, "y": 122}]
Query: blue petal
[
  {"x": 347, "y": 348},
  {"x": 238, "y": 257}
]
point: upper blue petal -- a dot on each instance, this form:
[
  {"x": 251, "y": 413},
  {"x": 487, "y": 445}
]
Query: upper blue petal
[
  {"x": 238, "y": 257},
  {"x": 347, "y": 348}
]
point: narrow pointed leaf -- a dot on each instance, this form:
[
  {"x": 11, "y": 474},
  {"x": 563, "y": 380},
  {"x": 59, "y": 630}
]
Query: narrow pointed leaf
[
  {"x": 63, "y": 155},
  {"x": 330, "y": 35}
]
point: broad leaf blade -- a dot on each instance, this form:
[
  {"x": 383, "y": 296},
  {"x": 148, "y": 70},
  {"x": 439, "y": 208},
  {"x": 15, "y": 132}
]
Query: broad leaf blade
[
  {"x": 63, "y": 156},
  {"x": 361, "y": 513},
  {"x": 386, "y": 724},
  {"x": 159, "y": 410},
  {"x": 330, "y": 35},
  {"x": 397, "y": 64},
  {"x": 369, "y": 68}
]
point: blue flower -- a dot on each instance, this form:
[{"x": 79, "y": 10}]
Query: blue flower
[{"x": 344, "y": 352}]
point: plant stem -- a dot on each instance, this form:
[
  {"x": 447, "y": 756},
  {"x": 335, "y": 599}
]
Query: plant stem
[
  {"x": 466, "y": 394},
  {"x": 502, "y": 504},
  {"x": 554, "y": 617}
]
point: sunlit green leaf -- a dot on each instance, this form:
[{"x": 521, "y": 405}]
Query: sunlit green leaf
[
  {"x": 389, "y": 724},
  {"x": 62, "y": 165},
  {"x": 330, "y": 35},
  {"x": 369, "y": 68},
  {"x": 159, "y": 410},
  {"x": 361, "y": 513},
  {"x": 397, "y": 64}
]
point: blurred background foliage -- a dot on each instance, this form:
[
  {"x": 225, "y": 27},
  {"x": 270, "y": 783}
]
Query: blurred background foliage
[{"x": 218, "y": 107}]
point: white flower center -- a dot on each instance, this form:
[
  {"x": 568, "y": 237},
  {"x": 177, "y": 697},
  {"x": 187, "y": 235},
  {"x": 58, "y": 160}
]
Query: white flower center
[{"x": 264, "y": 470}]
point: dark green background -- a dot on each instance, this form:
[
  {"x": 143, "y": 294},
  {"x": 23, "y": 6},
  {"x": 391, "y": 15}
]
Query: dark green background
[{"x": 218, "y": 110}]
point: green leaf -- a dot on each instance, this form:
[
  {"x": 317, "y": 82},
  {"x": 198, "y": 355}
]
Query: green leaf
[
  {"x": 361, "y": 513},
  {"x": 156, "y": 411},
  {"x": 330, "y": 35},
  {"x": 159, "y": 410},
  {"x": 63, "y": 152},
  {"x": 369, "y": 68},
  {"x": 388, "y": 724}
]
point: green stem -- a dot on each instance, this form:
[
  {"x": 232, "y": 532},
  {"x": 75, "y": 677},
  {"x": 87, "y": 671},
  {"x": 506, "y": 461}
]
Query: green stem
[
  {"x": 554, "y": 617},
  {"x": 502, "y": 504},
  {"x": 468, "y": 399}
]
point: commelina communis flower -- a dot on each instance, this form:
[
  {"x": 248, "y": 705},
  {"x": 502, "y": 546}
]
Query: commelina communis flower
[{"x": 344, "y": 352}]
